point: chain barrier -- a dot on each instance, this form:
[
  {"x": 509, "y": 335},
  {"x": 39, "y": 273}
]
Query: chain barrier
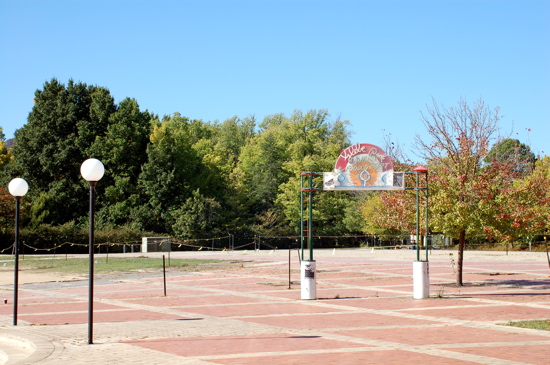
[
  {"x": 258, "y": 242},
  {"x": 7, "y": 248}
]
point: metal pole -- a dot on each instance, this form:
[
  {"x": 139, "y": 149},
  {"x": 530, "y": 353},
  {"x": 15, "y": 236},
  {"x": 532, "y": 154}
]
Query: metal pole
[
  {"x": 310, "y": 219},
  {"x": 16, "y": 259},
  {"x": 427, "y": 216},
  {"x": 302, "y": 215},
  {"x": 289, "y": 251},
  {"x": 417, "y": 221},
  {"x": 91, "y": 273},
  {"x": 164, "y": 273}
]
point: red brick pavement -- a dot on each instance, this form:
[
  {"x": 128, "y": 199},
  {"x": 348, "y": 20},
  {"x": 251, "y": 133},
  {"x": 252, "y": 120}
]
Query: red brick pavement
[
  {"x": 440, "y": 335},
  {"x": 347, "y": 358},
  {"x": 229, "y": 345},
  {"x": 531, "y": 354},
  {"x": 365, "y": 314},
  {"x": 64, "y": 318}
]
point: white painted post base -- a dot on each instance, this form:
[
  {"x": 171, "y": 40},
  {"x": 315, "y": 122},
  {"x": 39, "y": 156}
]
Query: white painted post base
[
  {"x": 421, "y": 279},
  {"x": 308, "y": 279}
]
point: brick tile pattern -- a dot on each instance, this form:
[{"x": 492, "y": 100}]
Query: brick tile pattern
[{"x": 364, "y": 314}]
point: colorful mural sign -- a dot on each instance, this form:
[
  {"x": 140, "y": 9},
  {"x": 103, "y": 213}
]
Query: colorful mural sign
[{"x": 363, "y": 166}]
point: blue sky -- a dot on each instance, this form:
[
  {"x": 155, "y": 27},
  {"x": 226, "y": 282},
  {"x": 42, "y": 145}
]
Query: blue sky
[{"x": 374, "y": 63}]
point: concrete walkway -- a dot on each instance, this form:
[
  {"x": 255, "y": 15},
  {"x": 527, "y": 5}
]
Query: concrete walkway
[{"x": 246, "y": 314}]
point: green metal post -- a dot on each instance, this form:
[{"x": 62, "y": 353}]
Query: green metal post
[
  {"x": 427, "y": 216},
  {"x": 302, "y": 214},
  {"x": 417, "y": 221},
  {"x": 310, "y": 221}
]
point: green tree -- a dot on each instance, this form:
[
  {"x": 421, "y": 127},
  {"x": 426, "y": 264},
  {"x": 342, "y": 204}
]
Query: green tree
[
  {"x": 5, "y": 155},
  {"x": 229, "y": 139},
  {"x": 219, "y": 148},
  {"x": 197, "y": 217},
  {"x": 50, "y": 148},
  {"x": 259, "y": 170},
  {"x": 170, "y": 174},
  {"x": 370, "y": 210},
  {"x": 512, "y": 151},
  {"x": 459, "y": 142},
  {"x": 123, "y": 150},
  {"x": 218, "y": 145},
  {"x": 314, "y": 144},
  {"x": 267, "y": 175},
  {"x": 38, "y": 213}
]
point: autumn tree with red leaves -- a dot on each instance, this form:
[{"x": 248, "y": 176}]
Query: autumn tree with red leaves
[
  {"x": 473, "y": 190},
  {"x": 523, "y": 208},
  {"x": 392, "y": 212},
  {"x": 460, "y": 138},
  {"x": 7, "y": 211}
]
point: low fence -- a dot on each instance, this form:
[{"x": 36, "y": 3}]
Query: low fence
[{"x": 231, "y": 242}]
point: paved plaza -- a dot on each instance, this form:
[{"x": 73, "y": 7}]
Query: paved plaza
[{"x": 243, "y": 312}]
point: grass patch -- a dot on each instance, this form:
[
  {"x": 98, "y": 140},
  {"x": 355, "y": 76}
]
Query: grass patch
[
  {"x": 541, "y": 324},
  {"x": 113, "y": 264}
]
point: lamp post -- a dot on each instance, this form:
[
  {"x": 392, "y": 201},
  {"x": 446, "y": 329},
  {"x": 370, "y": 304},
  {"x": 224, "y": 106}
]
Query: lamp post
[
  {"x": 421, "y": 268},
  {"x": 92, "y": 170},
  {"x": 18, "y": 188},
  {"x": 417, "y": 171}
]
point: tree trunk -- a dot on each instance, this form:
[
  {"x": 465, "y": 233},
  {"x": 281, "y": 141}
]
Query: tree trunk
[{"x": 461, "y": 244}]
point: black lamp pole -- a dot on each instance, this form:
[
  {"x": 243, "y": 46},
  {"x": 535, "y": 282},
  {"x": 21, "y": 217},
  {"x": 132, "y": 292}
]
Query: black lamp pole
[
  {"x": 17, "y": 187},
  {"x": 91, "y": 271},
  {"x": 92, "y": 171},
  {"x": 16, "y": 269}
]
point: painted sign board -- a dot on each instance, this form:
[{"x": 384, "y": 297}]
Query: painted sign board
[{"x": 363, "y": 166}]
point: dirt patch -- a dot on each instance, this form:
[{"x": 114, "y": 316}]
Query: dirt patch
[{"x": 26, "y": 277}]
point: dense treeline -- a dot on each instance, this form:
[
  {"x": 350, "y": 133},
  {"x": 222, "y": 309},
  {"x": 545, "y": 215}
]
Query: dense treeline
[
  {"x": 191, "y": 178},
  {"x": 173, "y": 176}
]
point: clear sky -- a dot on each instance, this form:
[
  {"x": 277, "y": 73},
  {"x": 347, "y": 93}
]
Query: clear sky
[{"x": 375, "y": 63}]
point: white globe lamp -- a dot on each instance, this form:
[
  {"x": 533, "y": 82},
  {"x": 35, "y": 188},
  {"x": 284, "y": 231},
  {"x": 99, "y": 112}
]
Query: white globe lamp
[
  {"x": 18, "y": 187},
  {"x": 92, "y": 170}
]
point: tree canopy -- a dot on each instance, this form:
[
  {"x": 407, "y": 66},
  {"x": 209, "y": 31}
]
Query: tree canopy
[
  {"x": 512, "y": 151},
  {"x": 49, "y": 149},
  {"x": 191, "y": 178}
]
